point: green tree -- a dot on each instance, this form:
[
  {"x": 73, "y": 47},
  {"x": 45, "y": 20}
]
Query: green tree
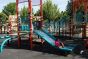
[
  {"x": 24, "y": 12},
  {"x": 69, "y": 9},
  {"x": 24, "y": 15},
  {"x": 51, "y": 12},
  {"x": 10, "y": 9},
  {"x": 3, "y": 18}
]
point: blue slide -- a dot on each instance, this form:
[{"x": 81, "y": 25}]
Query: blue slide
[
  {"x": 3, "y": 41},
  {"x": 51, "y": 40}
]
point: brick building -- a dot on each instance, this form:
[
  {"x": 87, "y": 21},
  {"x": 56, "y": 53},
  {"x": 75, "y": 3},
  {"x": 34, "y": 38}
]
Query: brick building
[
  {"x": 78, "y": 3},
  {"x": 12, "y": 23}
]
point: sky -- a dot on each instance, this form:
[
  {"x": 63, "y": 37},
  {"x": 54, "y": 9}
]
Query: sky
[{"x": 61, "y": 4}]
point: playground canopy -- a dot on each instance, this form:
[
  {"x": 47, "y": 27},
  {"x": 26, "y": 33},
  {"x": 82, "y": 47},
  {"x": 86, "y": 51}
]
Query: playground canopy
[{"x": 34, "y": 2}]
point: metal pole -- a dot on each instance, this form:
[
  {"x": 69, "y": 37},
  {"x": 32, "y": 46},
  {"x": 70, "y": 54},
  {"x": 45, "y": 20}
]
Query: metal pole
[
  {"x": 30, "y": 22},
  {"x": 84, "y": 25},
  {"x": 10, "y": 17},
  {"x": 18, "y": 32},
  {"x": 41, "y": 10},
  {"x": 41, "y": 14}
]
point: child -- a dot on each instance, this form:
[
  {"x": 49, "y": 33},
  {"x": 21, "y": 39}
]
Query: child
[{"x": 59, "y": 44}]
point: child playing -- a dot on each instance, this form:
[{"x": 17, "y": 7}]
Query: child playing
[{"x": 59, "y": 44}]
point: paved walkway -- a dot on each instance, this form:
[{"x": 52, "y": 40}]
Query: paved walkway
[{"x": 28, "y": 54}]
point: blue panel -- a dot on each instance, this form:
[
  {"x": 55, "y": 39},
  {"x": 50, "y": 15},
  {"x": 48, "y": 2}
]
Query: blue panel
[{"x": 24, "y": 28}]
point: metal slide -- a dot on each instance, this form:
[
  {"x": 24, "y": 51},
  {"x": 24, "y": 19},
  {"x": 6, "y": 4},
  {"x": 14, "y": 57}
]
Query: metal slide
[{"x": 51, "y": 41}]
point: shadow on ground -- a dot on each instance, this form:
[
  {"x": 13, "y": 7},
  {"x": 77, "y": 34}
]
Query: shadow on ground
[
  {"x": 37, "y": 46},
  {"x": 45, "y": 48}
]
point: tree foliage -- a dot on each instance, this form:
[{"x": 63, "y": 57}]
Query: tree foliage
[
  {"x": 50, "y": 11},
  {"x": 3, "y": 18},
  {"x": 24, "y": 15},
  {"x": 69, "y": 9},
  {"x": 10, "y": 9},
  {"x": 24, "y": 12}
]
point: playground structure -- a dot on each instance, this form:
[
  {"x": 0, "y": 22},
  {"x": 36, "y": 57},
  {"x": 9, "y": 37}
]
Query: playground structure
[
  {"x": 30, "y": 15},
  {"x": 43, "y": 34}
]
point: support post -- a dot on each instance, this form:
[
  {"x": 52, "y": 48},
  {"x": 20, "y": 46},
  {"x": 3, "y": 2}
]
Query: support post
[
  {"x": 41, "y": 14},
  {"x": 10, "y": 31},
  {"x": 18, "y": 32},
  {"x": 30, "y": 23},
  {"x": 83, "y": 30}
]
